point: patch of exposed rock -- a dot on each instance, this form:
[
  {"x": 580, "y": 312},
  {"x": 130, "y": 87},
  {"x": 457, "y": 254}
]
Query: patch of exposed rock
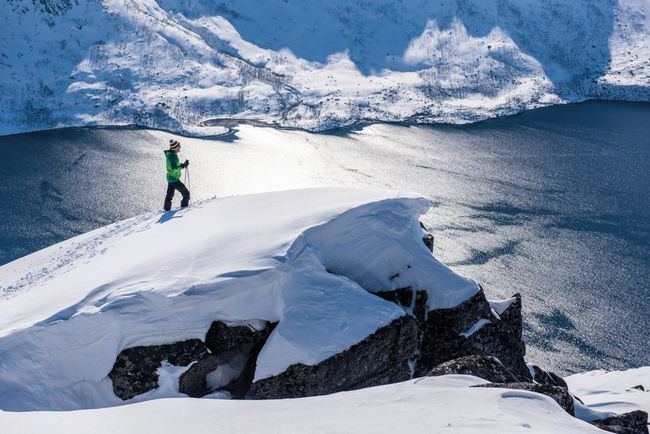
[
  {"x": 222, "y": 337},
  {"x": 193, "y": 382},
  {"x": 559, "y": 394},
  {"x": 473, "y": 328},
  {"x": 135, "y": 368},
  {"x": 487, "y": 367},
  {"x": 634, "y": 422},
  {"x": 547, "y": 377},
  {"x": 383, "y": 357}
]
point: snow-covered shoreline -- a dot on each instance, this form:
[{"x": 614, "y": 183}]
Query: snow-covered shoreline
[{"x": 172, "y": 65}]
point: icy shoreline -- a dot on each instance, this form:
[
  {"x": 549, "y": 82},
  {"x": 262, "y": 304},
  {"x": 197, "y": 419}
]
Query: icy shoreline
[
  {"x": 173, "y": 65},
  {"x": 224, "y": 127}
]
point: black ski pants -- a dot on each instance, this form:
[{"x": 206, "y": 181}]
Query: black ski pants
[{"x": 171, "y": 187}]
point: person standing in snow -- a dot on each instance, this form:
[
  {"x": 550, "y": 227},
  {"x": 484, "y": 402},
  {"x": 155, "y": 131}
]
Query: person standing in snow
[{"x": 174, "y": 167}]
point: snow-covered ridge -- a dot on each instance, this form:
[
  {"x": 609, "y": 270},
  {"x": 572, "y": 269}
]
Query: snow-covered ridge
[
  {"x": 308, "y": 259},
  {"x": 187, "y": 65}
]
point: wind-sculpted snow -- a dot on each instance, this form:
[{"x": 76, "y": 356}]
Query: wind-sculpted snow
[
  {"x": 307, "y": 259},
  {"x": 445, "y": 404},
  {"x": 187, "y": 66}
]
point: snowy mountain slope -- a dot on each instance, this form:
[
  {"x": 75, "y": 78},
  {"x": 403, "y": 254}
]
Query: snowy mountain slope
[
  {"x": 178, "y": 65},
  {"x": 428, "y": 405},
  {"x": 307, "y": 259}
]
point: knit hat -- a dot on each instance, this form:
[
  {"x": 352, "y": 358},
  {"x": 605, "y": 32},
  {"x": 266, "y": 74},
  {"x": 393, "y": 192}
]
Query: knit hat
[{"x": 174, "y": 145}]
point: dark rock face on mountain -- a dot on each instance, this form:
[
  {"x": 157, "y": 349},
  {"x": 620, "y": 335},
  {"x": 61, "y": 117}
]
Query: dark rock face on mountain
[
  {"x": 559, "y": 394},
  {"x": 635, "y": 422},
  {"x": 221, "y": 337},
  {"x": 546, "y": 377},
  {"x": 472, "y": 328},
  {"x": 239, "y": 386},
  {"x": 383, "y": 357},
  {"x": 486, "y": 367},
  {"x": 193, "y": 382},
  {"x": 400, "y": 296},
  {"x": 134, "y": 371}
]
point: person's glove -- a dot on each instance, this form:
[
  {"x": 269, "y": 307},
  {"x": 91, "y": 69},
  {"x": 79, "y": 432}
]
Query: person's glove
[{"x": 185, "y": 164}]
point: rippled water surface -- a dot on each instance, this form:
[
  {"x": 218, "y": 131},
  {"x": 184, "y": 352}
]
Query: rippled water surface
[{"x": 554, "y": 204}]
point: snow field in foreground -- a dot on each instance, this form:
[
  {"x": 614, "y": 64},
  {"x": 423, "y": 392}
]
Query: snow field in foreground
[{"x": 428, "y": 405}]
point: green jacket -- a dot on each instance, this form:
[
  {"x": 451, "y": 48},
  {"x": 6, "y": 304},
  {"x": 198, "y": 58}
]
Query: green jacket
[{"x": 173, "y": 167}]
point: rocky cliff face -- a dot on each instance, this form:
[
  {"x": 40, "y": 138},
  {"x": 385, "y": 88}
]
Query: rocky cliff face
[
  {"x": 384, "y": 357},
  {"x": 409, "y": 346},
  {"x": 474, "y": 328}
]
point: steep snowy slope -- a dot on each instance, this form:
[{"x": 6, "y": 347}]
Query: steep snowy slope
[
  {"x": 180, "y": 64},
  {"x": 307, "y": 259}
]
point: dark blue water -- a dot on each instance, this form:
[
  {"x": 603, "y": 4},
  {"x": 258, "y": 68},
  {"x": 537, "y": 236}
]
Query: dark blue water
[{"x": 553, "y": 203}]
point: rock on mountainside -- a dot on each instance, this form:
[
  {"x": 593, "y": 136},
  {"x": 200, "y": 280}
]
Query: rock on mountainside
[
  {"x": 186, "y": 66},
  {"x": 396, "y": 352}
]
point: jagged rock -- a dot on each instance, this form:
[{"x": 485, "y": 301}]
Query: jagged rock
[
  {"x": 511, "y": 317},
  {"x": 471, "y": 328},
  {"x": 638, "y": 387},
  {"x": 381, "y": 358},
  {"x": 193, "y": 381},
  {"x": 559, "y": 394},
  {"x": 420, "y": 308},
  {"x": 134, "y": 371},
  {"x": 427, "y": 239},
  {"x": 634, "y": 422},
  {"x": 545, "y": 377},
  {"x": 222, "y": 338},
  {"x": 240, "y": 386},
  {"x": 486, "y": 367},
  {"x": 400, "y": 296}
]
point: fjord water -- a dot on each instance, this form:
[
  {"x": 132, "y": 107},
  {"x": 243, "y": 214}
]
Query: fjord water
[{"x": 553, "y": 203}]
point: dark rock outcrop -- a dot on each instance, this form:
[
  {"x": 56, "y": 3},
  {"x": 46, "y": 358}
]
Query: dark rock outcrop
[
  {"x": 559, "y": 394},
  {"x": 546, "y": 377},
  {"x": 240, "y": 386},
  {"x": 486, "y": 367},
  {"x": 193, "y": 381},
  {"x": 634, "y": 422},
  {"x": 427, "y": 239},
  {"x": 400, "y": 296},
  {"x": 222, "y": 338},
  {"x": 383, "y": 357},
  {"x": 134, "y": 371},
  {"x": 448, "y": 334},
  {"x": 420, "y": 309}
]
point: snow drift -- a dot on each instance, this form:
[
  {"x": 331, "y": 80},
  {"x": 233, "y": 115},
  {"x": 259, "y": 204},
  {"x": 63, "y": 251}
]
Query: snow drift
[
  {"x": 185, "y": 66},
  {"x": 428, "y": 405},
  {"x": 307, "y": 259}
]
